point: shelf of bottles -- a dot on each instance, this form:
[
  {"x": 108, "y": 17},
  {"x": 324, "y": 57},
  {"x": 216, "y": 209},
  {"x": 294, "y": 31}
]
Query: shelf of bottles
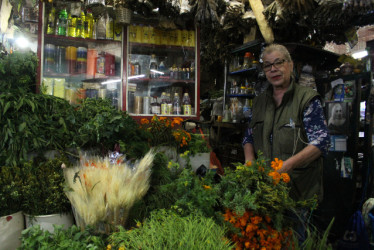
[
  {"x": 161, "y": 75},
  {"x": 82, "y": 55},
  {"x": 240, "y": 87}
]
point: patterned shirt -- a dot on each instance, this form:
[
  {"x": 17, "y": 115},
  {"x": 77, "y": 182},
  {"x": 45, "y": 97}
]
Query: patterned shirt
[{"x": 315, "y": 126}]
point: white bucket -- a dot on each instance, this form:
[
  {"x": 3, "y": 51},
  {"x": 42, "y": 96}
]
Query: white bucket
[
  {"x": 11, "y": 227},
  {"x": 196, "y": 161},
  {"x": 46, "y": 222}
]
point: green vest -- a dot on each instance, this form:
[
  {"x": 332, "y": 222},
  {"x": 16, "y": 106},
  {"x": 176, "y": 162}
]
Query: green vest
[{"x": 285, "y": 125}]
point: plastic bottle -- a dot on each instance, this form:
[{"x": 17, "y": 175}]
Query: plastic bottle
[
  {"x": 51, "y": 21},
  {"x": 247, "y": 111},
  {"x": 62, "y": 20},
  {"x": 177, "y": 109},
  {"x": 162, "y": 67},
  {"x": 88, "y": 24},
  {"x": 80, "y": 25},
  {"x": 226, "y": 114},
  {"x": 170, "y": 104},
  {"x": 164, "y": 105},
  {"x": 101, "y": 28},
  {"x": 186, "y": 102},
  {"x": 109, "y": 34},
  {"x": 153, "y": 67}
]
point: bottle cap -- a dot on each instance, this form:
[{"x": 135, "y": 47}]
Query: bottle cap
[{"x": 247, "y": 54}]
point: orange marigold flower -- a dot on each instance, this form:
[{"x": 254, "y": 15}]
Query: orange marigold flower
[
  {"x": 276, "y": 164},
  {"x": 261, "y": 169},
  {"x": 267, "y": 219},
  {"x": 256, "y": 219},
  {"x": 162, "y": 118},
  {"x": 276, "y": 177},
  {"x": 207, "y": 187},
  {"x": 285, "y": 177},
  {"x": 248, "y": 163},
  {"x": 177, "y": 120},
  {"x": 247, "y": 244},
  {"x": 243, "y": 221},
  {"x": 144, "y": 121}
]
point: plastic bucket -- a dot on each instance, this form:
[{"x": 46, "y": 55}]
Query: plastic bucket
[
  {"x": 11, "y": 227},
  {"x": 46, "y": 222}
]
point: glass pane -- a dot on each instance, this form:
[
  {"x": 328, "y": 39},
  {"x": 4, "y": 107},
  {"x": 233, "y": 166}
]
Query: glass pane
[
  {"x": 75, "y": 64},
  {"x": 161, "y": 71}
]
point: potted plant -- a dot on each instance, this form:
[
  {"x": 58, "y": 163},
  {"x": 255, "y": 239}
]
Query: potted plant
[
  {"x": 44, "y": 200},
  {"x": 166, "y": 134},
  {"x": 195, "y": 153},
  {"x": 11, "y": 217}
]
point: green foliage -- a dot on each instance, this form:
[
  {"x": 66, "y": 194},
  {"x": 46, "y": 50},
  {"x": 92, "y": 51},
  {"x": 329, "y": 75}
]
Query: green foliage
[
  {"x": 315, "y": 240},
  {"x": 167, "y": 230},
  {"x": 10, "y": 190},
  {"x": 70, "y": 239},
  {"x": 101, "y": 124},
  {"x": 197, "y": 145},
  {"x": 33, "y": 123},
  {"x": 43, "y": 188},
  {"x": 193, "y": 194},
  {"x": 18, "y": 72}
]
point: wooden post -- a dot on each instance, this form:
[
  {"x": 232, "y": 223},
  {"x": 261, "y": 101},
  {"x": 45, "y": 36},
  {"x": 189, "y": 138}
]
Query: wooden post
[{"x": 265, "y": 29}]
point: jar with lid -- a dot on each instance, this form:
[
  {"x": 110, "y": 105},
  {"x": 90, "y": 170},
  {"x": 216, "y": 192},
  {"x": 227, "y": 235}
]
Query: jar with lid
[{"x": 247, "y": 63}]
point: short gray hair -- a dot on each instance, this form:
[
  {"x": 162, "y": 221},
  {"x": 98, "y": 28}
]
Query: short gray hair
[{"x": 277, "y": 47}]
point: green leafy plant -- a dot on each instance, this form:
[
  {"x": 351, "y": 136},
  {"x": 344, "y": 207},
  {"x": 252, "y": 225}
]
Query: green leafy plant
[
  {"x": 70, "y": 239},
  {"x": 10, "y": 190},
  {"x": 196, "y": 145},
  {"x": 102, "y": 125},
  {"x": 43, "y": 187},
  {"x": 167, "y": 230},
  {"x": 18, "y": 72}
]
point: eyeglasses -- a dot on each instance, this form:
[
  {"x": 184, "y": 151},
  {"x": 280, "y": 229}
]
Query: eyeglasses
[{"x": 277, "y": 64}]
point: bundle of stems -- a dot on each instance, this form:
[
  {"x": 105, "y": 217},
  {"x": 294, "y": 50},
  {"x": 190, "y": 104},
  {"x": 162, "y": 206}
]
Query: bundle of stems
[{"x": 103, "y": 192}]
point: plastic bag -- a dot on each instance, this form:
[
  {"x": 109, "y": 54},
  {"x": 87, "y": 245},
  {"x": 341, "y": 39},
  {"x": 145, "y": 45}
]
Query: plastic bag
[{"x": 355, "y": 235}]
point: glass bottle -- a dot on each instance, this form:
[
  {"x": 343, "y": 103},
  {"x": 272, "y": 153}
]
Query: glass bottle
[
  {"x": 137, "y": 69},
  {"x": 186, "y": 102},
  {"x": 153, "y": 67},
  {"x": 80, "y": 27},
  {"x": 247, "y": 60},
  {"x": 162, "y": 67},
  {"x": 177, "y": 109},
  {"x": 155, "y": 106},
  {"x": 51, "y": 22}
]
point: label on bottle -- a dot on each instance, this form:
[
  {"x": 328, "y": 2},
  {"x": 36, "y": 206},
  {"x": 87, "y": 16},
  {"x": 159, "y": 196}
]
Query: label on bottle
[
  {"x": 187, "y": 109},
  {"x": 156, "y": 109},
  {"x": 170, "y": 109}
]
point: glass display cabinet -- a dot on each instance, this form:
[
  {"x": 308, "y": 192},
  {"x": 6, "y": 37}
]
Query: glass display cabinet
[
  {"x": 161, "y": 71},
  {"x": 142, "y": 68},
  {"x": 74, "y": 64}
]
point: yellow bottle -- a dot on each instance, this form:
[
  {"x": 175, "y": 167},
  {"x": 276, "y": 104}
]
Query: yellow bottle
[
  {"x": 80, "y": 25},
  {"x": 72, "y": 32},
  {"x": 88, "y": 25},
  {"x": 51, "y": 22},
  {"x": 191, "y": 38},
  {"x": 117, "y": 31}
]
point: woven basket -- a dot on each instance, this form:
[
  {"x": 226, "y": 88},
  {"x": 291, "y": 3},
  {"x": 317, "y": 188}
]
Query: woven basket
[{"x": 123, "y": 15}]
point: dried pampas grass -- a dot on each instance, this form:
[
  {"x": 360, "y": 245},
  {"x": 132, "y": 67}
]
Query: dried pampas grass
[{"x": 104, "y": 192}]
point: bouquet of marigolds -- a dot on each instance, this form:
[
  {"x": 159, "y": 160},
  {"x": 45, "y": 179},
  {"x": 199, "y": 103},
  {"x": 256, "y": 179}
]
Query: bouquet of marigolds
[
  {"x": 165, "y": 131},
  {"x": 255, "y": 198}
]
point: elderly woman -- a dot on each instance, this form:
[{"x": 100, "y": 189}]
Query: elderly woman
[{"x": 288, "y": 123}]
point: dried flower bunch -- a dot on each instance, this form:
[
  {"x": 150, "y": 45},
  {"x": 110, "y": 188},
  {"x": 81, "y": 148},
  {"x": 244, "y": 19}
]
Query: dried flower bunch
[
  {"x": 103, "y": 192},
  {"x": 164, "y": 131}
]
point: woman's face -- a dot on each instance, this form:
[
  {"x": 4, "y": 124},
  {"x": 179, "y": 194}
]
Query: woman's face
[{"x": 279, "y": 74}]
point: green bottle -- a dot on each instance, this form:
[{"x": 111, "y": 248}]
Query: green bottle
[
  {"x": 51, "y": 22},
  {"x": 61, "y": 29}
]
